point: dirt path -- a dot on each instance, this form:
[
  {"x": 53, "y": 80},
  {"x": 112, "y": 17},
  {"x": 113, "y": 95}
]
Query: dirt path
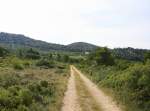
[
  {"x": 85, "y": 99},
  {"x": 82, "y": 94},
  {"x": 70, "y": 102},
  {"x": 104, "y": 101}
]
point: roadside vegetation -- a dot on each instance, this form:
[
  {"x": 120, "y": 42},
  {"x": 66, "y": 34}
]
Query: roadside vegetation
[
  {"x": 31, "y": 81},
  {"x": 128, "y": 79},
  {"x": 36, "y": 81}
]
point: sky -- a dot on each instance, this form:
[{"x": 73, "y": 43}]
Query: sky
[{"x": 111, "y": 23}]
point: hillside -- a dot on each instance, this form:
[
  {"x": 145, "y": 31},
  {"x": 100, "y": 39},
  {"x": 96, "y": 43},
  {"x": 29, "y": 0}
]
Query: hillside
[
  {"x": 17, "y": 40},
  {"x": 81, "y": 46},
  {"x": 129, "y": 53},
  {"x": 14, "y": 41}
]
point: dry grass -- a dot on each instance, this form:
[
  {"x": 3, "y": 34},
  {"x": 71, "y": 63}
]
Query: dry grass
[
  {"x": 87, "y": 102},
  {"x": 58, "y": 80}
]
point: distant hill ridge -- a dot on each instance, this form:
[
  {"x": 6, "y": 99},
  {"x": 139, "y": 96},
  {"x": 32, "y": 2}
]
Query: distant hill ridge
[
  {"x": 81, "y": 46},
  {"x": 20, "y": 41},
  {"x": 14, "y": 41}
]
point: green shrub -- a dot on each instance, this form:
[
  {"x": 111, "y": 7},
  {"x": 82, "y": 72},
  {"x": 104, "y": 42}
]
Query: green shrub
[
  {"x": 129, "y": 80},
  {"x": 102, "y": 56},
  {"x": 8, "y": 80},
  {"x": 20, "y": 92},
  {"x": 4, "y": 97},
  {"x": 66, "y": 58},
  {"x": 44, "y": 83},
  {"x": 32, "y": 54},
  {"x": 133, "y": 85},
  {"x": 147, "y": 56},
  {"x": 27, "y": 64},
  {"x": 22, "y": 108},
  {"x": 3, "y": 52},
  {"x": 34, "y": 87},
  {"x": 14, "y": 89},
  {"x": 26, "y": 97},
  {"x": 18, "y": 66},
  {"x": 45, "y": 63}
]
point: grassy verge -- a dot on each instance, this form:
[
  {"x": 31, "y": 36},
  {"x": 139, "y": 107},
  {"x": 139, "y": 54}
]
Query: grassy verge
[
  {"x": 129, "y": 87},
  {"x": 87, "y": 102},
  {"x": 32, "y": 89}
]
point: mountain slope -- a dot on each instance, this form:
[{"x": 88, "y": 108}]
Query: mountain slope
[
  {"x": 81, "y": 46},
  {"x": 14, "y": 41},
  {"x": 129, "y": 53}
]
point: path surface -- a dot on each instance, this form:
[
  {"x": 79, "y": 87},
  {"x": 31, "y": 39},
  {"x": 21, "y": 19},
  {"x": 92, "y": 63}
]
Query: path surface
[
  {"x": 106, "y": 103},
  {"x": 71, "y": 102}
]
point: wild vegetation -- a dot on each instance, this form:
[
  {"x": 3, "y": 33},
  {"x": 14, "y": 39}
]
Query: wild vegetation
[
  {"x": 31, "y": 81},
  {"x": 33, "y": 76},
  {"x": 17, "y": 41},
  {"x": 129, "y": 80},
  {"x": 129, "y": 53},
  {"x": 3, "y": 52}
]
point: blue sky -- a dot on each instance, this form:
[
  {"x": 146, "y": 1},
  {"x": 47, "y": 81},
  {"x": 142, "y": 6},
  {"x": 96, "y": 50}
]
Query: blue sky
[{"x": 112, "y": 23}]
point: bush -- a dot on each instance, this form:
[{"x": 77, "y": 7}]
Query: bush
[
  {"x": 26, "y": 97},
  {"x": 66, "y": 58},
  {"x": 14, "y": 89},
  {"x": 133, "y": 85},
  {"x": 32, "y": 54},
  {"x": 147, "y": 56},
  {"x": 129, "y": 80},
  {"x": 45, "y": 63},
  {"x": 18, "y": 66},
  {"x": 27, "y": 64},
  {"x": 22, "y": 108},
  {"x": 102, "y": 56},
  {"x": 3, "y": 52},
  {"x": 9, "y": 80},
  {"x": 17, "y": 95},
  {"x": 4, "y": 98},
  {"x": 44, "y": 83}
]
